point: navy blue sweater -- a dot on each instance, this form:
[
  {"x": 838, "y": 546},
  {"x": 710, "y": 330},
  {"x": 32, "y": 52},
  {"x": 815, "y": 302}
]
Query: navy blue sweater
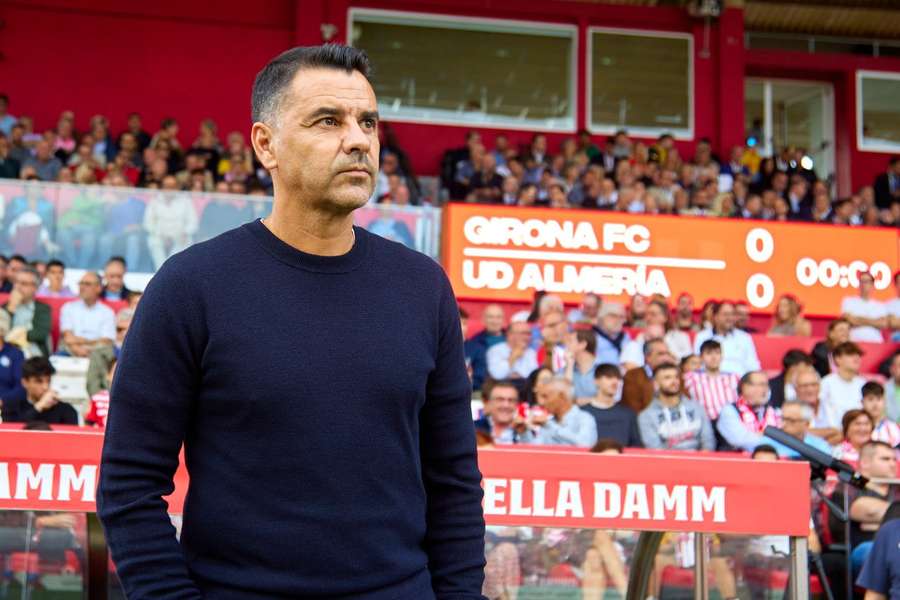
[{"x": 323, "y": 403}]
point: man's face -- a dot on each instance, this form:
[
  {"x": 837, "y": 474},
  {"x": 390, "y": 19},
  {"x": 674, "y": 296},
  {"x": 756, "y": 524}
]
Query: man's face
[
  {"x": 613, "y": 321},
  {"x": 549, "y": 397},
  {"x": 134, "y": 123},
  {"x": 742, "y": 315},
  {"x": 712, "y": 359},
  {"x": 89, "y": 287},
  {"x": 724, "y": 319},
  {"x": 668, "y": 382},
  {"x": 42, "y": 150},
  {"x": 324, "y": 146},
  {"x": 874, "y": 405},
  {"x": 866, "y": 285},
  {"x": 26, "y": 285},
  {"x": 850, "y": 362},
  {"x": 881, "y": 463},
  {"x": 55, "y": 274},
  {"x": 590, "y": 306},
  {"x": 685, "y": 305},
  {"x": 794, "y": 423},
  {"x": 553, "y": 328},
  {"x": 608, "y": 386},
  {"x": 115, "y": 276},
  {"x": 808, "y": 388},
  {"x": 659, "y": 353},
  {"x": 36, "y": 387},
  {"x": 502, "y": 404},
  {"x": 492, "y": 317},
  {"x": 12, "y": 271},
  {"x": 518, "y": 335},
  {"x": 756, "y": 389}
]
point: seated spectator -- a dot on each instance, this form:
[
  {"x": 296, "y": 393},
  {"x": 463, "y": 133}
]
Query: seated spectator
[
  {"x": 867, "y": 506},
  {"x": 588, "y": 312},
  {"x": 808, "y": 384},
  {"x": 611, "y": 336},
  {"x": 796, "y": 418},
  {"x": 513, "y": 358},
  {"x": 633, "y": 352},
  {"x": 637, "y": 312},
  {"x": 689, "y": 363},
  {"x": 551, "y": 351},
  {"x": 11, "y": 359},
  {"x": 892, "y": 389},
  {"x": 637, "y": 388},
  {"x": 866, "y": 315},
  {"x": 581, "y": 357},
  {"x": 15, "y": 264},
  {"x": 856, "y": 426},
  {"x": 99, "y": 406},
  {"x": 476, "y": 347},
  {"x": 677, "y": 340},
  {"x": 86, "y": 323},
  {"x": 782, "y": 387},
  {"x": 30, "y": 318},
  {"x": 742, "y": 317},
  {"x": 500, "y": 413},
  {"x": 887, "y": 184},
  {"x": 684, "y": 314},
  {"x": 673, "y": 421},
  {"x": 741, "y": 424},
  {"x": 535, "y": 380},
  {"x": 710, "y": 387},
  {"x": 102, "y": 357},
  {"x": 56, "y": 277},
  {"x": 561, "y": 423},
  {"x": 880, "y": 574},
  {"x": 486, "y": 185},
  {"x": 614, "y": 420},
  {"x": 45, "y": 165},
  {"x": 114, "y": 275},
  {"x": 838, "y": 333},
  {"x": 884, "y": 430},
  {"x": 36, "y": 400},
  {"x": 738, "y": 352},
  {"x": 788, "y": 319},
  {"x": 842, "y": 389},
  {"x": 170, "y": 222}
]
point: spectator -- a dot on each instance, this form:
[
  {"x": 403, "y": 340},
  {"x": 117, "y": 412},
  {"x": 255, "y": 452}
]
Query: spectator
[
  {"x": 856, "y": 427},
  {"x": 551, "y": 351},
  {"x": 536, "y": 379},
  {"x": 9, "y": 166},
  {"x": 15, "y": 264},
  {"x": 742, "y": 423},
  {"x": 838, "y": 333},
  {"x": 892, "y": 389},
  {"x": 782, "y": 387},
  {"x": 99, "y": 406},
  {"x": 706, "y": 314},
  {"x": 135, "y": 129},
  {"x": 581, "y": 354},
  {"x": 500, "y": 413},
  {"x": 512, "y": 358},
  {"x": 114, "y": 274},
  {"x": 808, "y": 384},
  {"x": 11, "y": 359},
  {"x": 796, "y": 418},
  {"x": 893, "y": 310},
  {"x": 677, "y": 340},
  {"x": 742, "y": 317},
  {"x": 79, "y": 229},
  {"x": 788, "y": 319},
  {"x": 673, "y": 421},
  {"x": 56, "y": 277},
  {"x": 476, "y": 347},
  {"x": 738, "y": 352},
  {"x": 881, "y": 571},
  {"x": 170, "y": 221},
  {"x": 486, "y": 184},
  {"x": 689, "y": 363},
  {"x": 6, "y": 120},
  {"x": 30, "y": 318},
  {"x": 36, "y": 400},
  {"x": 563, "y": 423},
  {"x": 502, "y": 570},
  {"x": 588, "y": 311},
  {"x": 887, "y": 185},
  {"x": 684, "y": 314},
  {"x": 637, "y": 312},
  {"x": 842, "y": 390},
  {"x": 45, "y": 165},
  {"x": 866, "y": 315},
  {"x": 710, "y": 387},
  {"x": 103, "y": 356},
  {"x": 86, "y": 323},
  {"x": 873, "y": 403},
  {"x": 611, "y": 336},
  {"x": 614, "y": 420},
  {"x": 637, "y": 387}
]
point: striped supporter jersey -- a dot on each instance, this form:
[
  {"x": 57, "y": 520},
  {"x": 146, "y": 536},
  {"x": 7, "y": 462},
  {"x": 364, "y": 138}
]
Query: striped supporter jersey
[{"x": 713, "y": 392}]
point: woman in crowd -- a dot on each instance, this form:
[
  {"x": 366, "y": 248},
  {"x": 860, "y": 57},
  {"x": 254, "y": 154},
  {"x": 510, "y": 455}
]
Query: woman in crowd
[
  {"x": 788, "y": 318},
  {"x": 581, "y": 348},
  {"x": 857, "y": 427},
  {"x": 706, "y": 314},
  {"x": 838, "y": 333},
  {"x": 637, "y": 312}
]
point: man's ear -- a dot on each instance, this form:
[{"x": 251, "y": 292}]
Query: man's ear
[{"x": 263, "y": 139}]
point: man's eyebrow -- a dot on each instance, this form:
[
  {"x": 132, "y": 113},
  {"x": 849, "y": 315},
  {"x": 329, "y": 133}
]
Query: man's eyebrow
[
  {"x": 324, "y": 111},
  {"x": 370, "y": 114}
]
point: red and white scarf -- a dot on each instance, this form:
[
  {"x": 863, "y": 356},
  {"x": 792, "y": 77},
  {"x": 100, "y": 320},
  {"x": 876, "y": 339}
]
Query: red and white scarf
[{"x": 751, "y": 420}]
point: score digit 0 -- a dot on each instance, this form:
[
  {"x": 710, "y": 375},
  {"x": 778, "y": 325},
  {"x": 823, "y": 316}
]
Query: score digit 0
[{"x": 760, "y": 246}]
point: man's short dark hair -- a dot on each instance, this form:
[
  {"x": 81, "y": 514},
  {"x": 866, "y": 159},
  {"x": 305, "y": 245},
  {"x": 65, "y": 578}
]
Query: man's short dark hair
[
  {"x": 117, "y": 259},
  {"x": 745, "y": 379},
  {"x": 764, "y": 449},
  {"x": 55, "y": 262},
  {"x": 648, "y": 345},
  {"x": 37, "y": 366},
  {"x": 4, "y": 98},
  {"x": 19, "y": 258},
  {"x": 710, "y": 346},
  {"x": 589, "y": 338},
  {"x": 607, "y": 370},
  {"x": 605, "y": 444},
  {"x": 274, "y": 78},
  {"x": 794, "y": 357},
  {"x": 718, "y": 306},
  {"x": 502, "y": 383},
  {"x": 665, "y": 367},
  {"x": 872, "y": 388},
  {"x": 847, "y": 348}
]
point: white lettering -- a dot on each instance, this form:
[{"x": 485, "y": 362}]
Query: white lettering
[
  {"x": 636, "y": 505},
  {"x": 494, "y": 503},
  {"x": 569, "y": 500},
  {"x": 27, "y": 478},
  {"x": 611, "y": 281},
  {"x": 4, "y": 481},
  {"x": 492, "y": 274},
  {"x": 708, "y": 501},
  {"x": 84, "y": 480},
  {"x": 607, "y": 500},
  {"x": 664, "y": 500},
  {"x": 539, "y": 499},
  {"x": 516, "y": 498},
  {"x": 533, "y": 233}
]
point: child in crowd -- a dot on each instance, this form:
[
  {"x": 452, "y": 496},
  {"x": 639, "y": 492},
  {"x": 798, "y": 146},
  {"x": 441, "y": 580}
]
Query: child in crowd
[{"x": 873, "y": 403}]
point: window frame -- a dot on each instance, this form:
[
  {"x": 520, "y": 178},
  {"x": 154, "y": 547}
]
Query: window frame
[
  {"x": 861, "y": 144},
  {"x": 684, "y": 134},
  {"x": 560, "y": 30}
]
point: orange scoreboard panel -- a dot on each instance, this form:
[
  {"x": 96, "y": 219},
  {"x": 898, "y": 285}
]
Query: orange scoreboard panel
[{"x": 507, "y": 253}]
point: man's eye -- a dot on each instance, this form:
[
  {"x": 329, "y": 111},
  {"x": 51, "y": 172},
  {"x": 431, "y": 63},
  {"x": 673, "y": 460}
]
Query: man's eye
[
  {"x": 369, "y": 123},
  {"x": 329, "y": 121}
]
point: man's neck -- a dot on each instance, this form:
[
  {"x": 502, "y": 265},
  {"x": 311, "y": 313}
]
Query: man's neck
[
  {"x": 89, "y": 302},
  {"x": 710, "y": 371},
  {"x": 560, "y": 414},
  {"x": 717, "y": 331},
  {"x": 310, "y": 231},
  {"x": 864, "y": 297},
  {"x": 55, "y": 287},
  {"x": 846, "y": 374},
  {"x": 601, "y": 400},
  {"x": 670, "y": 400}
]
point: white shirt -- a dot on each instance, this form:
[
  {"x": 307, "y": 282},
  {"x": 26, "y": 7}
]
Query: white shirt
[
  {"x": 870, "y": 309},
  {"x": 738, "y": 352},
  {"x": 90, "y": 323},
  {"x": 839, "y": 396},
  {"x": 678, "y": 343},
  {"x": 498, "y": 362}
]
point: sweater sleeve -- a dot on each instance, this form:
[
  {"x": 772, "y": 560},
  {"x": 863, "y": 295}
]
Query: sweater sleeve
[
  {"x": 151, "y": 399},
  {"x": 454, "y": 539}
]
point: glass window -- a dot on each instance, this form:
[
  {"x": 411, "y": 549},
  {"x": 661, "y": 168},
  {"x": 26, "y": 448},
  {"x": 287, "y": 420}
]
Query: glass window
[
  {"x": 469, "y": 71},
  {"x": 877, "y": 110},
  {"x": 642, "y": 83}
]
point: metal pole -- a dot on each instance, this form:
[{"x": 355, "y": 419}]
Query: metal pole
[
  {"x": 642, "y": 564},
  {"x": 799, "y": 568},
  {"x": 849, "y": 570},
  {"x": 700, "y": 580}
]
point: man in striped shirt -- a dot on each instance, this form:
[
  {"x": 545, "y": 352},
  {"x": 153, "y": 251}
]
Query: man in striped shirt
[{"x": 708, "y": 386}]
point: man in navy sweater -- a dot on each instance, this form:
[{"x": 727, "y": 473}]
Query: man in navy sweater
[{"x": 314, "y": 373}]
